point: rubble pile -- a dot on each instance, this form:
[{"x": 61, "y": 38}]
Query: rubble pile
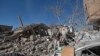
[
  {"x": 87, "y": 43},
  {"x": 27, "y": 44},
  {"x": 34, "y": 46},
  {"x": 83, "y": 38},
  {"x": 41, "y": 40}
]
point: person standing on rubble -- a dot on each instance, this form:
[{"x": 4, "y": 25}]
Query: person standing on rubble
[{"x": 65, "y": 35}]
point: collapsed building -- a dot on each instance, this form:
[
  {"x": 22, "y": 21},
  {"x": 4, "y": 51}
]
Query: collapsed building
[
  {"x": 43, "y": 40},
  {"x": 33, "y": 40},
  {"x": 30, "y": 40},
  {"x": 34, "y": 29}
]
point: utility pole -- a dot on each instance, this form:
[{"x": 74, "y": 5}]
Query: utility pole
[{"x": 20, "y": 21}]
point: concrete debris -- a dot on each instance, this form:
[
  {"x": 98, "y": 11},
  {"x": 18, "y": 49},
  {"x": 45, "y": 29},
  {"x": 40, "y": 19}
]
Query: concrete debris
[
  {"x": 86, "y": 42},
  {"x": 82, "y": 36},
  {"x": 11, "y": 54},
  {"x": 38, "y": 46},
  {"x": 34, "y": 40},
  {"x": 28, "y": 42},
  {"x": 41, "y": 40}
]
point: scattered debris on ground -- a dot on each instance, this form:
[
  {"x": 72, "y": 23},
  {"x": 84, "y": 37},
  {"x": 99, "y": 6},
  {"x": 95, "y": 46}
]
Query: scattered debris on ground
[
  {"x": 41, "y": 40},
  {"x": 31, "y": 40}
]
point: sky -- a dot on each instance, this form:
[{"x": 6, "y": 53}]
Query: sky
[{"x": 39, "y": 11}]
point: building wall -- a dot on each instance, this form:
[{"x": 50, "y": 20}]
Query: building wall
[{"x": 92, "y": 8}]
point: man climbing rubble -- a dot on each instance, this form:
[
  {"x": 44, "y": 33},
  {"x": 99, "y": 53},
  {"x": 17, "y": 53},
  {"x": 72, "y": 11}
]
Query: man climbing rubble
[{"x": 65, "y": 35}]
